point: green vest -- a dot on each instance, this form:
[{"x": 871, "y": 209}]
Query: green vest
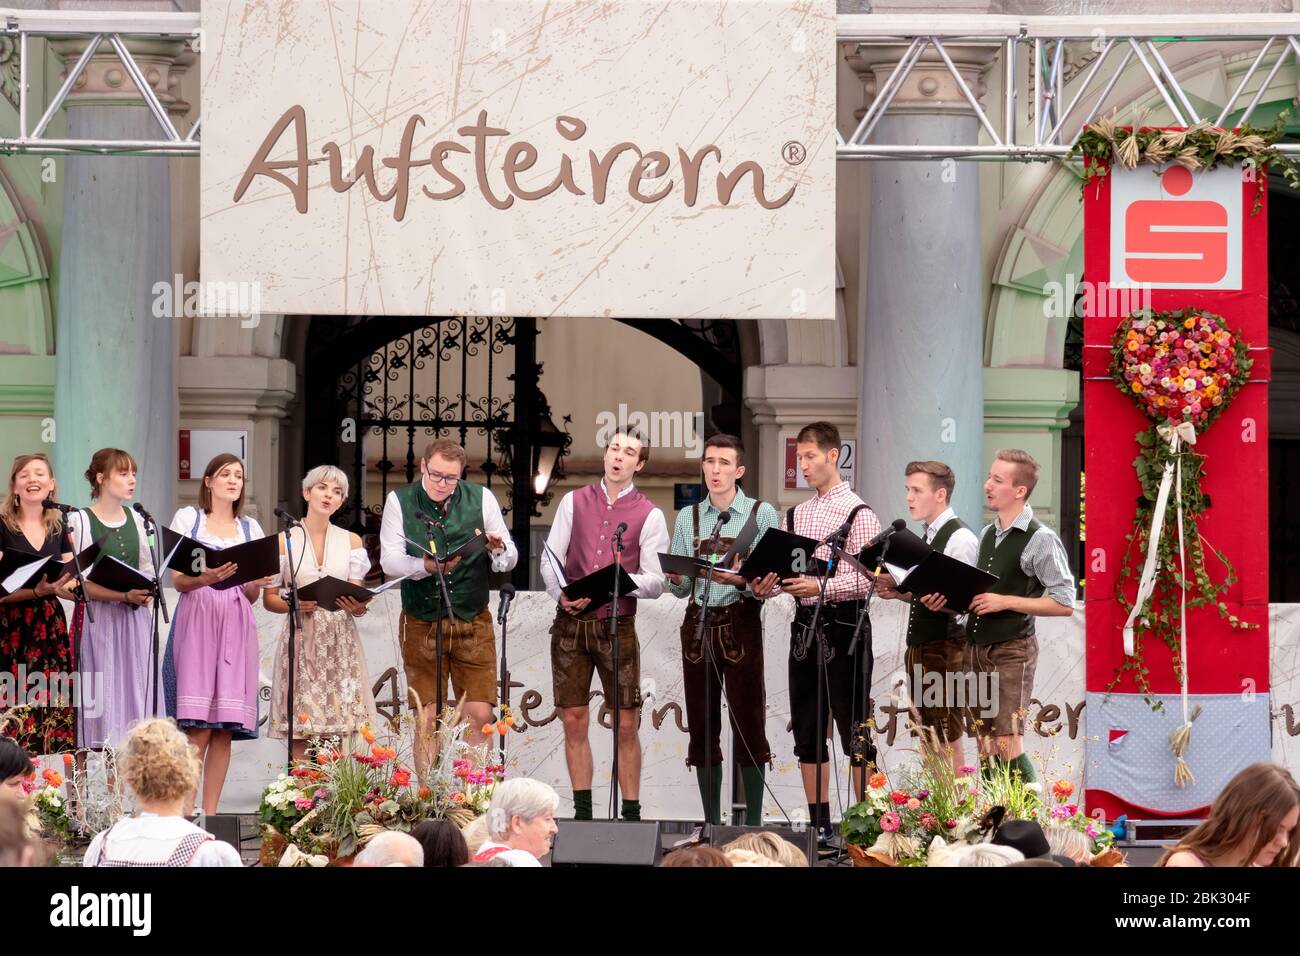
[
  {"x": 923, "y": 625},
  {"x": 467, "y": 584},
  {"x": 122, "y": 543},
  {"x": 1004, "y": 561}
]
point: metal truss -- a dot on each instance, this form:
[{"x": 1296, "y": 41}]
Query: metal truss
[
  {"x": 107, "y": 30},
  {"x": 1107, "y": 46},
  {"x": 1100, "y": 48}
]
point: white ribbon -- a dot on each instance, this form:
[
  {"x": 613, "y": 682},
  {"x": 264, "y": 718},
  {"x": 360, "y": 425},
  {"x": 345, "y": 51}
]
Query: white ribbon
[
  {"x": 295, "y": 857},
  {"x": 1184, "y": 433}
]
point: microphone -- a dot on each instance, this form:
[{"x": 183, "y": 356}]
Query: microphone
[
  {"x": 140, "y": 510},
  {"x": 898, "y": 525},
  {"x": 507, "y": 595},
  {"x": 49, "y": 505},
  {"x": 723, "y": 518},
  {"x": 618, "y": 532},
  {"x": 286, "y": 517}
]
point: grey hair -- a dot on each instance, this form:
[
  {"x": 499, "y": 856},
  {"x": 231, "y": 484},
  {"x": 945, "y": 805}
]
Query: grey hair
[
  {"x": 391, "y": 848},
  {"x": 518, "y": 797},
  {"x": 986, "y": 854},
  {"x": 1067, "y": 841},
  {"x": 325, "y": 473}
]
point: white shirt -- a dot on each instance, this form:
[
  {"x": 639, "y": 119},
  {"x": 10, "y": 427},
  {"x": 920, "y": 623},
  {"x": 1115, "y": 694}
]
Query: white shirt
[
  {"x": 653, "y": 541},
  {"x": 149, "y": 838},
  {"x": 511, "y": 856},
  {"x": 962, "y": 543},
  {"x": 392, "y": 539}
]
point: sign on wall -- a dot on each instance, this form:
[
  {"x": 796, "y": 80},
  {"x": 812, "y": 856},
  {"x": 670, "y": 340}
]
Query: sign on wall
[{"x": 664, "y": 158}]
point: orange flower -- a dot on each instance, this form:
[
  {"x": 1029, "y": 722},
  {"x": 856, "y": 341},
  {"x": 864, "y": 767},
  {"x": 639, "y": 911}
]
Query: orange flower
[
  {"x": 877, "y": 781},
  {"x": 1062, "y": 789},
  {"x": 425, "y": 793},
  {"x": 458, "y": 797},
  {"x": 502, "y": 727},
  {"x": 367, "y": 735},
  {"x": 510, "y": 721},
  {"x": 304, "y": 717},
  {"x": 487, "y": 730},
  {"x": 67, "y": 761},
  {"x": 52, "y": 777}
]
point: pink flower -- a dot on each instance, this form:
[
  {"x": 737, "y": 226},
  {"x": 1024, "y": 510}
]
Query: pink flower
[
  {"x": 922, "y": 794},
  {"x": 966, "y": 770},
  {"x": 1062, "y": 812},
  {"x": 950, "y": 824},
  {"x": 1092, "y": 830},
  {"x": 889, "y": 822},
  {"x": 929, "y": 821},
  {"x": 914, "y": 804},
  {"x": 304, "y": 803},
  {"x": 900, "y": 797}
]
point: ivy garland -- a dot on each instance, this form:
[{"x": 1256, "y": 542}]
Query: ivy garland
[{"x": 1197, "y": 148}]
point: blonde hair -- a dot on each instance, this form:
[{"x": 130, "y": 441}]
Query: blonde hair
[
  {"x": 767, "y": 844},
  {"x": 475, "y": 833},
  {"x": 325, "y": 473},
  {"x": 1026, "y": 470},
  {"x": 13, "y": 510},
  {"x": 1067, "y": 841},
  {"x": 739, "y": 857},
  {"x": 157, "y": 761}
]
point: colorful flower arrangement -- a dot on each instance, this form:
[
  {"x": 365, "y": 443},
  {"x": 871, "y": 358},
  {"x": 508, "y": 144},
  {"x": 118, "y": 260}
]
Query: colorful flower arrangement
[
  {"x": 335, "y": 801},
  {"x": 1181, "y": 368}
]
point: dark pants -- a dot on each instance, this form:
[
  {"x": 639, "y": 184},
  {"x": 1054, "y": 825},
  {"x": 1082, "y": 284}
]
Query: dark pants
[
  {"x": 843, "y": 692},
  {"x": 735, "y": 636}
]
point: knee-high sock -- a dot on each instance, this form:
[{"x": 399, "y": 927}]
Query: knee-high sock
[
  {"x": 709, "y": 780},
  {"x": 753, "y": 780}
]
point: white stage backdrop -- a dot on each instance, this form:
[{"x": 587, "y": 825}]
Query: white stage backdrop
[
  {"x": 1058, "y": 721},
  {"x": 658, "y": 158}
]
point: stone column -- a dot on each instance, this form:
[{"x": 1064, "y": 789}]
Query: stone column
[
  {"x": 114, "y": 370},
  {"x": 921, "y": 350}
]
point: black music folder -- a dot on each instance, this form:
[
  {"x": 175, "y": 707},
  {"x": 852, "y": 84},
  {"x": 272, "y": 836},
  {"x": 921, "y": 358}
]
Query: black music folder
[
  {"x": 467, "y": 548},
  {"x": 257, "y": 559},
  {"x": 956, "y": 580},
  {"x": 788, "y": 555},
  {"x": 906, "y": 550},
  {"x": 691, "y": 567},
  {"x": 116, "y": 575},
  {"x": 22, "y": 569},
  {"x": 327, "y": 590},
  {"x": 598, "y": 585}
]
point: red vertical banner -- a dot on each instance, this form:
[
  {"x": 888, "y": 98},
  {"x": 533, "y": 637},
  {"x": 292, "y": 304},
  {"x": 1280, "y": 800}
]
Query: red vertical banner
[{"x": 1167, "y": 239}]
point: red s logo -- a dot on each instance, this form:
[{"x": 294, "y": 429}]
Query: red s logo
[{"x": 1169, "y": 242}]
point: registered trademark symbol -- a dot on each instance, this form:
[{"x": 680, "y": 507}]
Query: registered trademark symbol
[{"x": 794, "y": 153}]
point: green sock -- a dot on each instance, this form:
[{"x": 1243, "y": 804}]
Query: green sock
[
  {"x": 990, "y": 766},
  {"x": 709, "y": 780},
  {"x": 753, "y": 780},
  {"x": 631, "y": 809},
  {"x": 1025, "y": 767},
  {"x": 582, "y": 804}
]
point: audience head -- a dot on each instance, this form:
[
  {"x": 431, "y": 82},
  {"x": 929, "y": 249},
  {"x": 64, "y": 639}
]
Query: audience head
[
  {"x": 443, "y": 843},
  {"x": 1025, "y": 836},
  {"x": 768, "y": 844},
  {"x": 475, "y": 834},
  {"x": 16, "y": 845},
  {"x": 391, "y": 848},
  {"x": 985, "y": 854},
  {"x": 521, "y": 815},
  {"x": 15, "y": 767},
  {"x": 749, "y": 858},
  {"x": 1070, "y": 843},
  {"x": 696, "y": 856},
  {"x": 1255, "y": 821},
  {"x": 158, "y": 762}
]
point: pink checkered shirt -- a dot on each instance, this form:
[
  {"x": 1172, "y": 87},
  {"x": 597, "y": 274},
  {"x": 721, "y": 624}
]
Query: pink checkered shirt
[{"x": 819, "y": 516}]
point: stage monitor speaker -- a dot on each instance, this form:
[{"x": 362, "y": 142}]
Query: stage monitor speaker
[
  {"x": 720, "y": 836},
  {"x": 223, "y": 826},
  {"x": 606, "y": 843}
]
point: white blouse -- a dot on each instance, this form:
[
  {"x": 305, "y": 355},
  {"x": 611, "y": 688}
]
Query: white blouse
[
  {"x": 340, "y": 559},
  {"x": 151, "y": 839},
  {"x": 183, "y": 523}
]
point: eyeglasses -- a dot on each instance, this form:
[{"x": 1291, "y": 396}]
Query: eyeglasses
[{"x": 438, "y": 479}]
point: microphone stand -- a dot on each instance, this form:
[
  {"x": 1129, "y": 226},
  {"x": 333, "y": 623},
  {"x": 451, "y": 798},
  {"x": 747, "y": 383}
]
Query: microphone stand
[
  {"x": 437, "y": 624},
  {"x": 701, "y": 635},
  {"x": 160, "y": 602},
  {"x": 503, "y": 615},
  {"x": 863, "y": 620},
  {"x": 836, "y": 542},
  {"x": 613, "y": 636},
  {"x": 79, "y": 600},
  {"x": 295, "y": 624}
]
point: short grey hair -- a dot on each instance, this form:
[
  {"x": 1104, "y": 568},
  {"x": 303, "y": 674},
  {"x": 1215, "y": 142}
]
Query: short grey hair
[
  {"x": 325, "y": 473},
  {"x": 391, "y": 848},
  {"x": 986, "y": 854},
  {"x": 518, "y": 797},
  {"x": 1067, "y": 841}
]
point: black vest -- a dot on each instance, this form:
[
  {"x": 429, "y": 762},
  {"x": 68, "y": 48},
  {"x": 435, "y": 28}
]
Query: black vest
[
  {"x": 1004, "y": 561},
  {"x": 923, "y": 625}
]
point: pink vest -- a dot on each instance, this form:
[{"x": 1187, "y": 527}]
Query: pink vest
[{"x": 591, "y": 541}]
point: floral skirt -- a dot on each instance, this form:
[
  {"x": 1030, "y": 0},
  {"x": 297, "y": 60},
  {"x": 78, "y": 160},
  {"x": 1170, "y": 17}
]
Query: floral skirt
[
  {"x": 36, "y": 650},
  {"x": 332, "y": 694}
]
